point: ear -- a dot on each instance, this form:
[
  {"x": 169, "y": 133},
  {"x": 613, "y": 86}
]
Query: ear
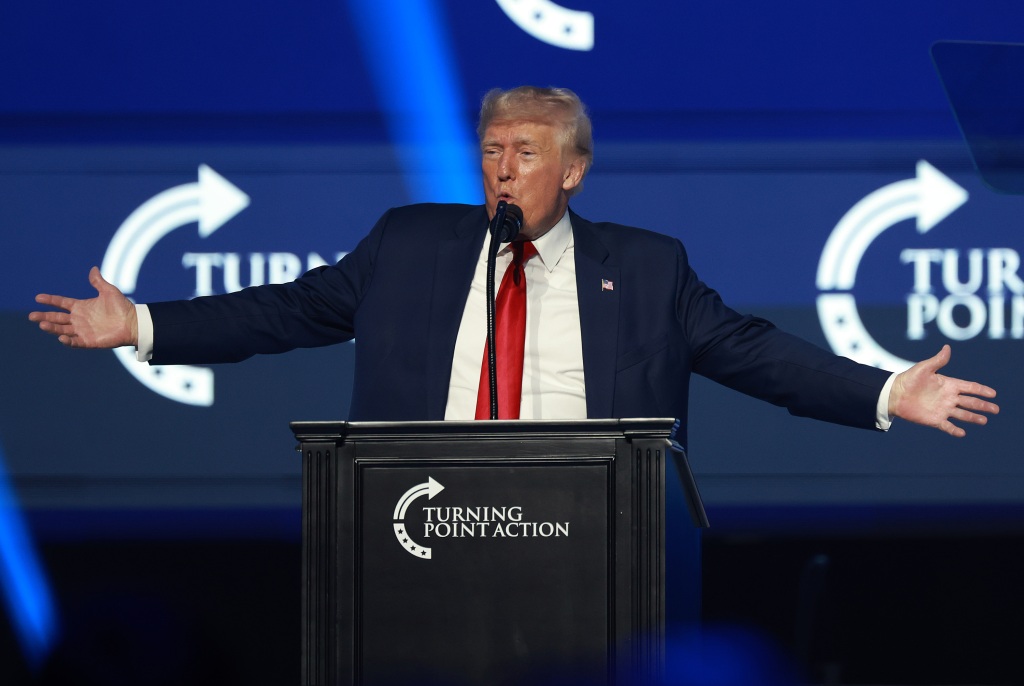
[{"x": 573, "y": 174}]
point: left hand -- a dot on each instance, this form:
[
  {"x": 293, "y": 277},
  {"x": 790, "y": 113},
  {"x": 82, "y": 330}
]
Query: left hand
[{"x": 923, "y": 396}]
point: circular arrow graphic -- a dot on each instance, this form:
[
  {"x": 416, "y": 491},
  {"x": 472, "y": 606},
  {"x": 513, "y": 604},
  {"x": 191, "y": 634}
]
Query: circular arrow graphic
[
  {"x": 551, "y": 23},
  {"x": 211, "y": 201},
  {"x": 929, "y": 197},
  {"x": 429, "y": 489}
]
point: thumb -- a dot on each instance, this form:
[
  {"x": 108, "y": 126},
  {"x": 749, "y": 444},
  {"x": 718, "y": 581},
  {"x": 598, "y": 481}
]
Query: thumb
[
  {"x": 940, "y": 360},
  {"x": 99, "y": 283},
  {"x": 932, "y": 365}
]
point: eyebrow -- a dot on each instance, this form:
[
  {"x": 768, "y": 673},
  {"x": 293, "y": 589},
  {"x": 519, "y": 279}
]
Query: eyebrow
[{"x": 522, "y": 140}]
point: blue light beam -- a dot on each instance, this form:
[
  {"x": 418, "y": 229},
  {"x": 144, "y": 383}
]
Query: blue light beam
[
  {"x": 408, "y": 54},
  {"x": 25, "y": 590}
]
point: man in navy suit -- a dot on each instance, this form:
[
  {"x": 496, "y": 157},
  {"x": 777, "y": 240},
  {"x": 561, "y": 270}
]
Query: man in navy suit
[{"x": 616, "y": 319}]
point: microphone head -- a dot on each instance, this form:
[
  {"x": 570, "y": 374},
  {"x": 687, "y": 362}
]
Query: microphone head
[
  {"x": 498, "y": 220},
  {"x": 513, "y": 223},
  {"x": 507, "y": 222}
]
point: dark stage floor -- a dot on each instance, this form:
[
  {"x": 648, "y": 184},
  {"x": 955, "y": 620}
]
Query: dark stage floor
[{"x": 920, "y": 608}]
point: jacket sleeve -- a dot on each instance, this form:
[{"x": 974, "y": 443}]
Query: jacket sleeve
[
  {"x": 317, "y": 309},
  {"x": 751, "y": 355}
]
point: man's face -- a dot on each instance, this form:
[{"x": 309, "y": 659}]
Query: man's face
[{"x": 523, "y": 165}]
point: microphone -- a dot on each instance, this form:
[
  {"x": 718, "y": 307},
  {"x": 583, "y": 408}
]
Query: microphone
[{"x": 507, "y": 223}]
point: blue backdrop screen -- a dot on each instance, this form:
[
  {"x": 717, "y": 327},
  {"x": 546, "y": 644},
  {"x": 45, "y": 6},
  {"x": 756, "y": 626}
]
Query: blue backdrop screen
[{"x": 796, "y": 150}]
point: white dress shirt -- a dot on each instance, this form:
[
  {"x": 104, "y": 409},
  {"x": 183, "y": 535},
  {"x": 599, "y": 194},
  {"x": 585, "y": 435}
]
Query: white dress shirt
[{"x": 553, "y": 386}]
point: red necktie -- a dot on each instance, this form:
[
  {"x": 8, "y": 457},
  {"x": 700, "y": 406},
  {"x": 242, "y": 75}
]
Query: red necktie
[{"x": 509, "y": 339}]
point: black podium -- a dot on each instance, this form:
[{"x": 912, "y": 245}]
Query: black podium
[{"x": 485, "y": 552}]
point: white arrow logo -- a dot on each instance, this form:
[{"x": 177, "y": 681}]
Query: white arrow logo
[
  {"x": 429, "y": 489},
  {"x": 929, "y": 197},
  {"x": 211, "y": 201}
]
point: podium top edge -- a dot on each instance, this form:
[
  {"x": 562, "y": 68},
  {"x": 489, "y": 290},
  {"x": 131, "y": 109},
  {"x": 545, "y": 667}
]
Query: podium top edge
[{"x": 325, "y": 430}]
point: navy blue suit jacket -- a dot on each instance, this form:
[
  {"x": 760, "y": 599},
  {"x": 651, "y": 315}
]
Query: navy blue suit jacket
[{"x": 402, "y": 291}]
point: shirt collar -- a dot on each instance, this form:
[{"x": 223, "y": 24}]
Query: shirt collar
[{"x": 553, "y": 244}]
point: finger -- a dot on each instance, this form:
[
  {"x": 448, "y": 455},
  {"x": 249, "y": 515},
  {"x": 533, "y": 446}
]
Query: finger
[
  {"x": 60, "y": 301},
  {"x": 968, "y": 416},
  {"x": 952, "y": 429},
  {"x": 50, "y": 317},
  {"x": 977, "y": 405},
  {"x": 56, "y": 328},
  {"x": 975, "y": 388}
]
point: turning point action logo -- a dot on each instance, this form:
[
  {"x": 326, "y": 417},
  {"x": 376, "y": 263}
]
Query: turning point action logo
[
  {"x": 476, "y": 521},
  {"x": 211, "y": 201},
  {"x": 962, "y": 313}
]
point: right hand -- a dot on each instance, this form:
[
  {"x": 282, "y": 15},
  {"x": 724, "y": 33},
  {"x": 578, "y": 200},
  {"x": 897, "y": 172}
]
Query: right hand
[{"x": 106, "y": 321}]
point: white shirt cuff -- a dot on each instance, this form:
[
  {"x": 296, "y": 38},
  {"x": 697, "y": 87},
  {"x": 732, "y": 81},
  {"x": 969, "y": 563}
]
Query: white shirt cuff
[
  {"x": 144, "y": 348},
  {"x": 883, "y": 420}
]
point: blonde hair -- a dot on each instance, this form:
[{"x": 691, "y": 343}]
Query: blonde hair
[{"x": 558, "y": 106}]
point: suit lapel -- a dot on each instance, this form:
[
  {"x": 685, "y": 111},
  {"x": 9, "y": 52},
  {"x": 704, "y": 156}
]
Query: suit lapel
[
  {"x": 597, "y": 289},
  {"x": 453, "y": 274}
]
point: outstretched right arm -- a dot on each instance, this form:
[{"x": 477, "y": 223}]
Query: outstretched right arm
[{"x": 106, "y": 321}]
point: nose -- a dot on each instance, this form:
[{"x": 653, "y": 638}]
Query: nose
[{"x": 506, "y": 167}]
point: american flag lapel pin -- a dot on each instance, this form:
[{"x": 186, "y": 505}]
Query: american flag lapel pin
[{"x": 607, "y": 285}]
